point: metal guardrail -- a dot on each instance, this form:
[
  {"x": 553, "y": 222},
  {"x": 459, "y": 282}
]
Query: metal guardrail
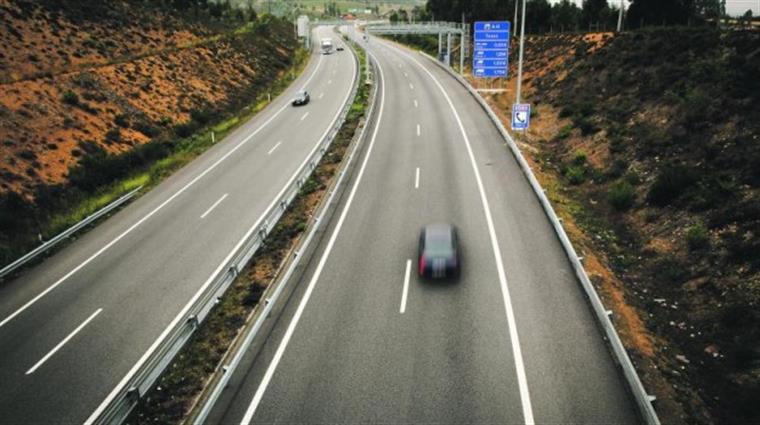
[
  {"x": 643, "y": 399},
  {"x": 10, "y": 268},
  {"x": 126, "y": 396},
  {"x": 234, "y": 356}
]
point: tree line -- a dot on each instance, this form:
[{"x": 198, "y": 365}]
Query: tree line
[{"x": 565, "y": 15}]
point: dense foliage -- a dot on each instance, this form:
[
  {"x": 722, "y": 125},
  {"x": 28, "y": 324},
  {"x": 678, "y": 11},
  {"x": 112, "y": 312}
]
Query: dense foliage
[{"x": 543, "y": 15}]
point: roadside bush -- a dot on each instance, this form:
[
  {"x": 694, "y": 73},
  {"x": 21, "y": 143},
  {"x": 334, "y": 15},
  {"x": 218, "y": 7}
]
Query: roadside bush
[
  {"x": 100, "y": 168},
  {"x": 580, "y": 158},
  {"x": 564, "y": 132},
  {"x": 184, "y": 130},
  {"x": 121, "y": 120},
  {"x": 113, "y": 135},
  {"x": 585, "y": 125},
  {"x": 621, "y": 195},
  {"x": 575, "y": 174},
  {"x": 70, "y": 98},
  {"x": 697, "y": 237},
  {"x": 670, "y": 184},
  {"x": 146, "y": 128}
]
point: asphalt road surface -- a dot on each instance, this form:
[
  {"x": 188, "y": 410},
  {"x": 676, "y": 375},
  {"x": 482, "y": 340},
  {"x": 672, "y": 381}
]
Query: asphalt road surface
[
  {"x": 363, "y": 339},
  {"x": 73, "y": 327}
]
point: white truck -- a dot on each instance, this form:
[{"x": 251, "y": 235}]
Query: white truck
[{"x": 327, "y": 46}]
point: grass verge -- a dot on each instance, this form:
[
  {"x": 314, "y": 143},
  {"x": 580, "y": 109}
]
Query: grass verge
[{"x": 176, "y": 391}]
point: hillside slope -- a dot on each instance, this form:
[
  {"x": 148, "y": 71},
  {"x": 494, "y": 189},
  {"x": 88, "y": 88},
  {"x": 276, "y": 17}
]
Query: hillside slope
[
  {"x": 92, "y": 91},
  {"x": 649, "y": 144}
]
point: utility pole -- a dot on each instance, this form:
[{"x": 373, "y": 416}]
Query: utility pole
[
  {"x": 462, "y": 39},
  {"x": 514, "y": 23},
  {"x": 620, "y": 17},
  {"x": 522, "y": 44}
]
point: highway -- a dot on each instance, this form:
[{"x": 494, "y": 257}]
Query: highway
[
  {"x": 362, "y": 339},
  {"x": 74, "y": 326}
]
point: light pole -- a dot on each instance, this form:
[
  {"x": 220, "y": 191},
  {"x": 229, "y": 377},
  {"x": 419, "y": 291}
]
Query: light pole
[
  {"x": 517, "y": 3},
  {"x": 522, "y": 45},
  {"x": 620, "y": 17}
]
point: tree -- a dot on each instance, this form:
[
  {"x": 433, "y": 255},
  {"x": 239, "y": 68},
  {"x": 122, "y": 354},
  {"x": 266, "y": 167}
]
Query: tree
[
  {"x": 746, "y": 19},
  {"x": 658, "y": 12},
  {"x": 403, "y": 15},
  {"x": 594, "y": 11},
  {"x": 565, "y": 16},
  {"x": 538, "y": 16},
  {"x": 393, "y": 17}
]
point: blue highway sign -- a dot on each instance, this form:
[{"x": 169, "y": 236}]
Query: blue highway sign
[
  {"x": 520, "y": 116},
  {"x": 490, "y": 57}
]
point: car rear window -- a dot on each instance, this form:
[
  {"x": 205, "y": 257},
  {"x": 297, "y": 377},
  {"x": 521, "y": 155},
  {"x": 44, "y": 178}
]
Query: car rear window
[{"x": 438, "y": 243}]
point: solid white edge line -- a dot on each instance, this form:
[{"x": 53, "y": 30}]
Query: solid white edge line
[
  {"x": 417, "y": 178},
  {"x": 405, "y": 290},
  {"x": 511, "y": 324},
  {"x": 274, "y": 147},
  {"x": 297, "y": 316},
  {"x": 95, "y": 414},
  {"x": 153, "y": 212},
  {"x": 211, "y": 208},
  {"x": 62, "y": 343}
]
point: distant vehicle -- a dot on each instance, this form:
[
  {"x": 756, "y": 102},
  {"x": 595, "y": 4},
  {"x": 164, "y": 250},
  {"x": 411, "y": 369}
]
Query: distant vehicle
[
  {"x": 302, "y": 98},
  {"x": 327, "y": 46},
  {"x": 339, "y": 48},
  {"x": 439, "y": 251}
]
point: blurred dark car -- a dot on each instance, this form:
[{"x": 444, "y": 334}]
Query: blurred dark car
[
  {"x": 339, "y": 48},
  {"x": 439, "y": 251},
  {"x": 302, "y": 98}
]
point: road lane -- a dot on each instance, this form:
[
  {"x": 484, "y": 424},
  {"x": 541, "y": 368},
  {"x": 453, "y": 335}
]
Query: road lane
[
  {"x": 353, "y": 357},
  {"x": 368, "y": 348},
  {"x": 570, "y": 371},
  {"x": 144, "y": 279}
]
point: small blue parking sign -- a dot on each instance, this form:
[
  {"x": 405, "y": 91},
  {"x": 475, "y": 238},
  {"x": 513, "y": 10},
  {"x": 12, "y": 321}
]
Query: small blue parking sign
[{"x": 520, "y": 116}]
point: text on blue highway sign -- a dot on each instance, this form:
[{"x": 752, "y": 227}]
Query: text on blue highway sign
[
  {"x": 492, "y": 26},
  {"x": 490, "y": 55}
]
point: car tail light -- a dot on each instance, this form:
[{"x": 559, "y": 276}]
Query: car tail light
[{"x": 423, "y": 264}]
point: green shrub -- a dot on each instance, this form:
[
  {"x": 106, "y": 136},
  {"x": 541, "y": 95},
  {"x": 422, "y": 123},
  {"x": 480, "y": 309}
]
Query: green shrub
[
  {"x": 184, "y": 130},
  {"x": 697, "y": 237},
  {"x": 575, "y": 174},
  {"x": 580, "y": 158},
  {"x": 585, "y": 125},
  {"x": 121, "y": 120},
  {"x": 670, "y": 184},
  {"x": 621, "y": 195},
  {"x": 564, "y": 132},
  {"x": 70, "y": 98},
  {"x": 113, "y": 135}
]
